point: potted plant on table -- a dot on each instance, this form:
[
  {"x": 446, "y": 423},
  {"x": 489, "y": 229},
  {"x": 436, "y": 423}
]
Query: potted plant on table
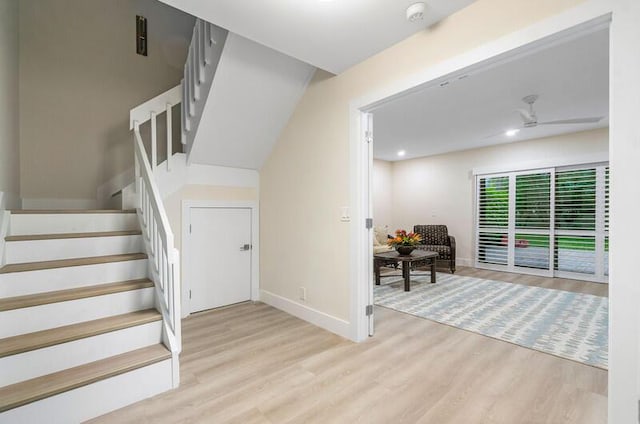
[{"x": 404, "y": 242}]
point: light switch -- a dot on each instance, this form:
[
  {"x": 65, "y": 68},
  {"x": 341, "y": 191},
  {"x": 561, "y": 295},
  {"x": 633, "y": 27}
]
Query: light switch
[{"x": 344, "y": 214}]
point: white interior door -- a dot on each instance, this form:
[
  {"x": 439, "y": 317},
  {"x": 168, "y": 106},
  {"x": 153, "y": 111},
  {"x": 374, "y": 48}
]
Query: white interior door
[{"x": 220, "y": 257}]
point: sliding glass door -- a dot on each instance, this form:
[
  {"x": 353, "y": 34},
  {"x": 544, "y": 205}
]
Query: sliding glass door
[{"x": 551, "y": 222}]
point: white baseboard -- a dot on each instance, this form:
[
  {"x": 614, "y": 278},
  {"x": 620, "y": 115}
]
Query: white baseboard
[
  {"x": 464, "y": 262},
  {"x": 328, "y": 322},
  {"x": 59, "y": 203}
]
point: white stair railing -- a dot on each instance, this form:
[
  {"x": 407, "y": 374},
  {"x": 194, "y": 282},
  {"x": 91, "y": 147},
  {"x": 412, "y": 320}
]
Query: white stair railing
[
  {"x": 149, "y": 111},
  {"x": 4, "y": 227},
  {"x": 204, "y": 54},
  {"x": 205, "y": 50},
  {"x": 164, "y": 258}
]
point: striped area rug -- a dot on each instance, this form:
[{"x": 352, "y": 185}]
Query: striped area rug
[{"x": 566, "y": 324}]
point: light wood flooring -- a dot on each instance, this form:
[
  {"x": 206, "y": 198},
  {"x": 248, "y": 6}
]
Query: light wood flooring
[
  {"x": 251, "y": 363},
  {"x": 566, "y": 284}
]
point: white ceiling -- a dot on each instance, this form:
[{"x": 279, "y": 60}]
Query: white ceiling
[
  {"x": 572, "y": 80},
  {"x": 329, "y": 34}
]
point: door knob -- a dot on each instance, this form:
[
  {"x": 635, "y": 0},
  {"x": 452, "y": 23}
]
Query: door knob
[{"x": 245, "y": 247}]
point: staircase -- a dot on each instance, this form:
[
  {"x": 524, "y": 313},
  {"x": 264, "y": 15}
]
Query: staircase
[
  {"x": 90, "y": 300},
  {"x": 83, "y": 328}
]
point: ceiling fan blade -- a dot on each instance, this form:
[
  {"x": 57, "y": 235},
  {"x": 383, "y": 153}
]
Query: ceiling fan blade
[
  {"x": 525, "y": 115},
  {"x": 591, "y": 120}
]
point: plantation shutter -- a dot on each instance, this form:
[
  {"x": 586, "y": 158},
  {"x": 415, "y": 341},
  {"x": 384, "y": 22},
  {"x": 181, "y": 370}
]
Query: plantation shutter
[
  {"x": 551, "y": 222},
  {"x": 493, "y": 220},
  {"x": 575, "y": 221},
  {"x": 532, "y": 220}
]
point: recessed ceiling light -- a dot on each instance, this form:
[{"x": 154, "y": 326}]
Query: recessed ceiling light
[
  {"x": 511, "y": 133},
  {"x": 401, "y": 153}
]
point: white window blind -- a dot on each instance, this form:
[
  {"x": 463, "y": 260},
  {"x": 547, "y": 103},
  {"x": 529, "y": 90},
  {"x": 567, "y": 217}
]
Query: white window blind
[
  {"x": 493, "y": 219},
  {"x": 546, "y": 222},
  {"x": 532, "y": 220}
]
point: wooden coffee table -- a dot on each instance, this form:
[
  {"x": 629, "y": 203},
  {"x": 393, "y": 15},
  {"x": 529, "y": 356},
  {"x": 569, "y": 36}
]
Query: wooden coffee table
[{"x": 416, "y": 258}]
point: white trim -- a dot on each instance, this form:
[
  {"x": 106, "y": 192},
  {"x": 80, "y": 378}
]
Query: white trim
[
  {"x": 594, "y": 158},
  {"x": 584, "y": 18},
  {"x": 142, "y": 113},
  {"x": 5, "y": 216},
  {"x": 186, "y": 248},
  {"x": 361, "y": 250},
  {"x": 57, "y": 203},
  {"x": 580, "y": 19},
  {"x": 119, "y": 182},
  {"x": 464, "y": 262},
  {"x": 328, "y": 322}
]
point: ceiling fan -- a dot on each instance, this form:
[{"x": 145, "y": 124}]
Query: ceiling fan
[{"x": 530, "y": 119}]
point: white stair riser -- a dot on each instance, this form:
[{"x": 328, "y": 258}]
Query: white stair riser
[
  {"x": 95, "y": 399},
  {"x": 49, "y": 250},
  {"x": 36, "y": 363},
  {"x": 29, "y": 224},
  {"x": 43, "y": 317},
  {"x": 31, "y": 282}
]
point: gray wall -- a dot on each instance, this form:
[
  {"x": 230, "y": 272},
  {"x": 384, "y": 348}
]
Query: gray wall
[
  {"x": 9, "y": 130},
  {"x": 79, "y": 76}
]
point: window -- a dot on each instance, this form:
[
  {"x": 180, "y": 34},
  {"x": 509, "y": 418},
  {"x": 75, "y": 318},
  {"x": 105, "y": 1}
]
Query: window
[{"x": 546, "y": 222}]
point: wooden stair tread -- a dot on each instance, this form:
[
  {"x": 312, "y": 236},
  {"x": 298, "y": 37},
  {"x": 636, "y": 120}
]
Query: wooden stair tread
[
  {"x": 29, "y": 300},
  {"x": 63, "y": 263},
  {"x": 40, "y": 339},
  {"x": 25, "y": 392},
  {"x": 73, "y": 235},
  {"x": 67, "y": 211}
]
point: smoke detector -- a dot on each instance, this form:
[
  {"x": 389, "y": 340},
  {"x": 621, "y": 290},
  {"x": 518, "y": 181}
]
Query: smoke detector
[{"x": 415, "y": 12}]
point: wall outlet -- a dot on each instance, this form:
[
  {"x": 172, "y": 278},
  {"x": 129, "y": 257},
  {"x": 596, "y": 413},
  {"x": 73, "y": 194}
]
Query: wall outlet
[{"x": 302, "y": 292}]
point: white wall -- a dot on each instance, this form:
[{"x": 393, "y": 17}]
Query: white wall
[
  {"x": 9, "y": 108},
  {"x": 382, "y": 194},
  {"x": 440, "y": 189},
  {"x": 306, "y": 180}
]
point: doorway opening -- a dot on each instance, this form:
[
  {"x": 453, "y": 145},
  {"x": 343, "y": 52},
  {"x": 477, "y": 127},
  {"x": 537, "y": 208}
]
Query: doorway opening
[{"x": 436, "y": 153}]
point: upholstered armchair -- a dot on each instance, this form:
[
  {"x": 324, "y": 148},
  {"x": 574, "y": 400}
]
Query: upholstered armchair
[
  {"x": 380, "y": 240},
  {"x": 436, "y": 238}
]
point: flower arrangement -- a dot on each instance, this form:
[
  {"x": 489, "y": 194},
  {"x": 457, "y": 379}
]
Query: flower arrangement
[{"x": 403, "y": 238}]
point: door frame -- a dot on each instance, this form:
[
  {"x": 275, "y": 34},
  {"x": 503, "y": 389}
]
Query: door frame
[
  {"x": 582, "y": 19},
  {"x": 187, "y": 247}
]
